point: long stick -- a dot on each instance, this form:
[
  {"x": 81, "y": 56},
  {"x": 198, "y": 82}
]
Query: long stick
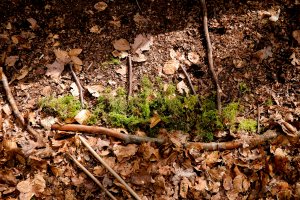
[
  {"x": 16, "y": 111},
  {"x": 109, "y": 168},
  {"x": 105, "y": 131},
  {"x": 78, "y": 85},
  {"x": 129, "y": 76},
  {"x": 210, "y": 56},
  {"x": 92, "y": 176}
]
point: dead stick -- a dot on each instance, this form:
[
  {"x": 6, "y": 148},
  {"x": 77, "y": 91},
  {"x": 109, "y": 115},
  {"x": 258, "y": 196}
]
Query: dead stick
[
  {"x": 129, "y": 76},
  {"x": 78, "y": 85},
  {"x": 91, "y": 176},
  {"x": 189, "y": 79},
  {"x": 251, "y": 142},
  {"x": 258, "y": 119},
  {"x": 130, "y": 190},
  {"x": 210, "y": 56},
  {"x": 15, "y": 108},
  {"x": 105, "y": 131}
]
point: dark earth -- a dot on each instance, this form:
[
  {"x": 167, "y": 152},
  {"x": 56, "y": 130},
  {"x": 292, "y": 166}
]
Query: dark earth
[{"x": 253, "y": 58}]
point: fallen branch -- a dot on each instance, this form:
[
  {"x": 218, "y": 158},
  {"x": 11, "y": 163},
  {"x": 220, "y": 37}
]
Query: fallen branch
[
  {"x": 16, "y": 111},
  {"x": 250, "y": 142},
  {"x": 78, "y": 85},
  {"x": 129, "y": 76},
  {"x": 130, "y": 190},
  {"x": 105, "y": 131},
  {"x": 91, "y": 176},
  {"x": 210, "y": 57},
  {"x": 189, "y": 79}
]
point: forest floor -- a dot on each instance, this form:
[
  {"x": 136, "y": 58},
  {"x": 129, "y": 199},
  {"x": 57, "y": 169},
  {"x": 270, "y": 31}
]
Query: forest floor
[{"x": 256, "y": 54}]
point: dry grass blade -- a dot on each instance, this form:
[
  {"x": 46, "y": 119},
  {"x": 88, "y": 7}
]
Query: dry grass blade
[
  {"x": 130, "y": 190},
  {"x": 91, "y": 176}
]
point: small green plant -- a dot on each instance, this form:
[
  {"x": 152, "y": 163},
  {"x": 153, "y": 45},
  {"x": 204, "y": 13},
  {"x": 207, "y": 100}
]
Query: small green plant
[
  {"x": 269, "y": 102},
  {"x": 230, "y": 112},
  {"x": 248, "y": 125},
  {"x": 112, "y": 61},
  {"x": 65, "y": 106},
  {"x": 243, "y": 88}
]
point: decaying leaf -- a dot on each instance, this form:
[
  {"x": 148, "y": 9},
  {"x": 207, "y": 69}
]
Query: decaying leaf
[
  {"x": 121, "y": 45},
  {"x": 10, "y": 61},
  {"x": 33, "y": 23},
  {"x": 296, "y": 35},
  {"x": 124, "y": 151},
  {"x": 62, "y": 56},
  {"x": 263, "y": 53},
  {"x": 55, "y": 69},
  {"x": 154, "y": 120},
  {"x": 83, "y": 116},
  {"x": 184, "y": 187},
  {"x": 170, "y": 67},
  {"x": 95, "y": 29},
  {"x": 119, "y": 54},
  {"x": 74, "y": 89},
  {"x": 182, "y": 88},
  {"x": 193, "y": 57},
  {"x": 294, "y": 61},
  {"x": 74, "y": 52},
  {"x": 95, "y": 90},
  {"x": 142, "y": 43},
  {"x": 139, "y": 58},
  {"x": 100, "y": 6},
  {"x": 122, "y": 70},
  {"x": 275, "y": 16},
  {"x": 48, "y": 122},
  {"x": 76, "y": 60},
  {"x": 139, "y": 19}
]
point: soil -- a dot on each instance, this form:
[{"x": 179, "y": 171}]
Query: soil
[{"x": 249, "y": 50}]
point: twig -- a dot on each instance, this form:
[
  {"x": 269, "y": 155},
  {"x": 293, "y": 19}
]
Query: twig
[
  {"x": 129, "y": 76},
  {"x": 258, "y": 119},
  {"x": 250, "y": 142},
  {"x": 189, "y": 79},
  {"x": 91, "y": 176},
  {"x": 89, "y": 66},
  {"x": 78, "y": 85},
  {"x": 137, "y": 3},
  {"x": 105, "y": 131},
  {"x": 210, "y": 56},
  {"x": 109, "y": 168},
  {"x": 16, "y": 111}
]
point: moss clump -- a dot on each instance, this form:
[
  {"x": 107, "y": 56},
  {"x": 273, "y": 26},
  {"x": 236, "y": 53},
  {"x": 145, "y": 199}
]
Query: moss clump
[
  {"x": 248, "y": 125},
  {"x": 243, "y": 88},
  {"x": 65, "y": 106},
  {"x": 230, "y": 112}
]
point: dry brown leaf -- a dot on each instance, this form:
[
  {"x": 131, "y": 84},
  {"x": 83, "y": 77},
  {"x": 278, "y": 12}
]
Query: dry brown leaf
[
  {"x": 263, "y": 53},
  {"x": 33, "y": 23},
  {"x": 142, "y": 43},
  {"x": 6, "y": 109},
  {"x": 115, "y": 22},
  {"x": 139, "y": 58},
  {"x": 95, "y": 90},
  {"x": 22, "y": 73},
  {"x": 95, "y": 29},
  {"x": 55, "y": 69},
  {"x": 119, "y": 54},
  {"x": 125, "y": 151},
  {"x": 296, "y": 35},
  {"x": 294, "y": 61},
  {"x": 139, "y": 19},
  {"x": 182, "y": 88},
  {"x": 184, "y": 187},
  {"x": 62, "y": 56},
  {"x": 122, "y": 70},
  {"x": 121, "y": 45},
  {"x": 193, "y": 57},
  {"x": 200, "y": 184},
  {"x": 141, "y": 179},
  {"x": 10, "y": 61},
  {"x": 74, "y": 52},
  {"x": 227, "y": 182},
  {"x": 232, "y": 194},
  {"x": 100, "y": 6},
  {"x": 76, "y": 60},
  {"x": 154, "y": 120},
  {"x": 170, "y": 67},
  {"x": 149, "y": 153},
  {"x": 83, "y": 116}
]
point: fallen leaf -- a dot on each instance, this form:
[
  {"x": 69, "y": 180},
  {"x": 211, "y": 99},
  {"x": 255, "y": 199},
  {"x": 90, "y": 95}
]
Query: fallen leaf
[
  {"x": 95, "y": 90},
  {"x": 119, "y": 54},
  {"x": 125, "y": 151},
  {"x": 11, "y": 61},
  {"x": 138, "y": 58},
  {"x": 55, "y": 69},
  {"x": 6, "y": 109},
  {"x": 142, "y": 43},
  {"x": 46, "y": 91},
  {"x": 294, "y": 61},
  {"x": 95, "y": 29},
  {"x": 184, "y": 187},
  {"x": 263, "y": 53},
  {"x": 74, "y": 89},
  {"x": 193, "y": 57},
  {"x": 100, "y": 6},
  {"x": 76, "y": 60},
  {"x": 154, "y": 120},
  {"x": 275, "y": 16},
  {"x": 74, "y": 52},
  {"x": 115, "y": 22},
  {"x": 62, "y": 56},
  {"x": 121, "y": 45},
  {"x": 182, "y": 88},
  {"x": 48, "y": 122},
  {"x": 83, "y": 116},
  {"x": 33, "y": 23},
  {"x": 170, "y": 67},
  {"x": 22, "y": 73},
  {"x": 15, "y": 39},
  {"x": 227, "y": 182},
  {"x": 139, "y": 19},
  {"x": 296, "y": 35},
  {"x": 122, "y": 70}
]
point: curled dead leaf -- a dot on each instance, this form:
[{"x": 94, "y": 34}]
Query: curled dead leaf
[{"x": 83, "y": 116}]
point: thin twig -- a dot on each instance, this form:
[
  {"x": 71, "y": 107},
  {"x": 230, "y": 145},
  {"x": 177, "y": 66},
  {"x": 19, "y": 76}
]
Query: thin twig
[
  {"x": 137, "y": 3},
  {"x": 132, "y": 192},
  {"x": 210, "y": 56},
  {"x": 89, "y": 66},
  {"x": 105, "y": 131},
  {"x": 129, "y": 76},
  {"x": 189, "y": 79},
  {"x": 249, "y": 142},
  {"x": 16, "y": 111},
  {"x": 91, "y": 176},
  {"x": 258, "y": 119},
  {"x": 78, "y": 85}
]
